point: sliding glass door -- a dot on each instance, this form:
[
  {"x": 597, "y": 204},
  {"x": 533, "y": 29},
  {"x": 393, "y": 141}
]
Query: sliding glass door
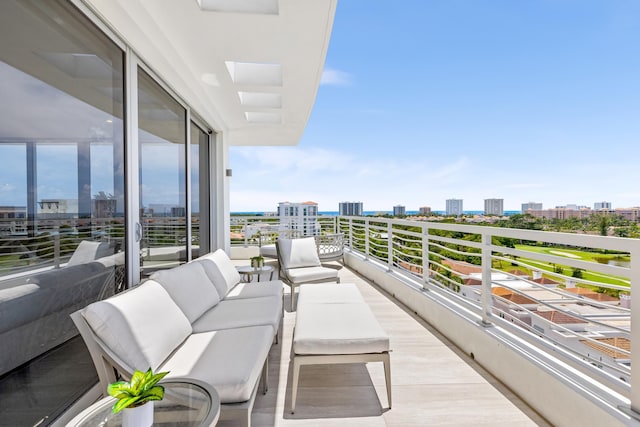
[
  {"x": 162, "y": 141},
  {"x": 72, "y": 192},
  {"x": 200, "y": 190},
  {"x": 61, "y": 200}
]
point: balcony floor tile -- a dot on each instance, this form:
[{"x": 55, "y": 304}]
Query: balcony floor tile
[{"x": 433, "y": 382}]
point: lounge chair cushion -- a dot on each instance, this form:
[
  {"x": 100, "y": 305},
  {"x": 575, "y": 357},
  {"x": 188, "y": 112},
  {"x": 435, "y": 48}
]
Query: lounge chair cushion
[
  {"x": 326, "y": 293},
  {"x": 268, "y": 251},
  {"x": 190, "y": 287},
  {"x": 225, "y": 359},
  {"x": 310, "y": 274},
  {"x": 220, "y": 270},
  {"x": 240, "y": 313},
  {"x": 160, "y": 325},
  {"x": 297, "y": 253},
  {"x": 88, "y": 251},
  {"x": 256, "y": 290},
  {"x": 349, "y": 328}
]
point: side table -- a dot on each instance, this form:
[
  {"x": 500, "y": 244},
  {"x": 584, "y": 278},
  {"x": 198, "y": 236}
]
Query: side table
[
  {"x": 187, "y": 402},
  {"x": 248, "y": 272}
]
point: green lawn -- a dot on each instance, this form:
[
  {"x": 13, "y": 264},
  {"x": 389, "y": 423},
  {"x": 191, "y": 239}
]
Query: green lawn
[{"x": 571, "y": 254}]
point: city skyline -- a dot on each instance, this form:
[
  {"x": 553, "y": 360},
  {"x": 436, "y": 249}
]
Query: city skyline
[
  {"x": 409, "y": 207},
  {"x": 464, "y": 100}
]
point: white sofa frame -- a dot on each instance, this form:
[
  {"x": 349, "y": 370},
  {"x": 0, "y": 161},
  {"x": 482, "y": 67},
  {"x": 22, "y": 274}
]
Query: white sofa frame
[
  {"x": 327, "y": 359},
  {"x": 111, "y": 368}
]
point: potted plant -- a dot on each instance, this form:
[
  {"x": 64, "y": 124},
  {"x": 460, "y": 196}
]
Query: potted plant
[
  {"x": 257, "y": 262},
  {"x": 136, "y": 397}
]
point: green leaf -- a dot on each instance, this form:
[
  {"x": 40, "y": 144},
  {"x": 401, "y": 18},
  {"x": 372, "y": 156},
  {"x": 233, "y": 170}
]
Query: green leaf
[
  {"x": 142, "y": 388},
  {"x": 119, "y": 389},
  {"x": 157, "y": 377},
  {"x": 154, "y": 393},
  {"x": 124, "y": 403},
  {"x": 137, "y": 380}
]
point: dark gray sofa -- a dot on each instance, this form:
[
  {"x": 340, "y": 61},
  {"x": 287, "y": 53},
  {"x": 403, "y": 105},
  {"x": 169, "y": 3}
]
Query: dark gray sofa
[{"x": 35, "y": 307}]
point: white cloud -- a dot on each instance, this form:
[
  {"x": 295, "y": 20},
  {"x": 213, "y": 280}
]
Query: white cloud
[
  {"x": 264, "y": 176},
  {"x": 334, "y": 77}
]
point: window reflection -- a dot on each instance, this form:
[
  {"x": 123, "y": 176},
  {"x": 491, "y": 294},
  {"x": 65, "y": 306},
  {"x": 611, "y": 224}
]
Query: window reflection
[
  {"x": 61, "y": 200},
  {"x": 162, "y": 138},
  {"x": 199, "y": 191}
]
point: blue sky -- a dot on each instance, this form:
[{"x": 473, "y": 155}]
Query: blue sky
[{"x": 426, "y": 100}]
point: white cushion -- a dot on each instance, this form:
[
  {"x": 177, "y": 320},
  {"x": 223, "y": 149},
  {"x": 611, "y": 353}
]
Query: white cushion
[
  {"x": 190, "y": 287},
  {"x": 220, "y": 270},
  {"x": 88, "y": 251},
  {"x": 239, "y": 313},
  {"x": 309, "y": 274},
  {"x": 324, "y": 293},
  {"x": 256, "y": 290},
  {"x": 268, "y": 251},
  {"x": 296, "y": 253},
  {"x": 349, "y": 328},
  {"x": 230, "y": 360},
  {"x": 142, "y": 326}
]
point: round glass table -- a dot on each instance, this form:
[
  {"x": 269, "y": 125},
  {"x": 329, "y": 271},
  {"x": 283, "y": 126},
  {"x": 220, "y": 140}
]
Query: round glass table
[
  {"x": 186, "y": 403},
  {"x": 249, "y": 272}
]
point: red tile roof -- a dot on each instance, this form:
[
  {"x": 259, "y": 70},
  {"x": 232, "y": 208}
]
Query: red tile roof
[
  {"x": 619, "y": 342},
  {"x": 545, "y": 281},
  {"x": 588, "y": 293},
  {"x": 462, "y": 267},
  {"x": 517, "y": 272},
  {"x": 512, "y": 296},
  {"x": 500, "y": 291},
  {"x": 520, "y": 299},
  {"x": 559, "y": 317}
]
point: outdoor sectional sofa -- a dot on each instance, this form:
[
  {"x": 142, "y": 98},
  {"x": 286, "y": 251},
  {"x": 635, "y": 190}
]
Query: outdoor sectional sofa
[
  {"x": 196, "y": 321},
  {"x": 35, "y": 306}
]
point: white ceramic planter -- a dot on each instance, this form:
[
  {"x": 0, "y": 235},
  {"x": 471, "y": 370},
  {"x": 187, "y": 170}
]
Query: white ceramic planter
[{"x": 140, "y": 416}]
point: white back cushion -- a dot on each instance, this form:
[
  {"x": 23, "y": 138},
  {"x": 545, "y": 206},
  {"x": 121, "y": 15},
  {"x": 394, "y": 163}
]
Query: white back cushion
[
  {"x": 220, "y": 270},
  {"x": 190, "y": 288},
  {"x": 142, "y": 326},
  {"x": 298, "y": 253},
  {"x": 88, "y": 251}
]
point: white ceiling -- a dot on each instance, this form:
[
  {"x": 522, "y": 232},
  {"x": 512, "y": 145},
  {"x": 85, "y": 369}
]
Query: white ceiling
[{"x": 251, "y": 71}]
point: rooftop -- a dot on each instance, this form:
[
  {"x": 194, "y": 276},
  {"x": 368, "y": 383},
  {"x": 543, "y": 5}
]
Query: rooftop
[{"x": 619, "y": 342}]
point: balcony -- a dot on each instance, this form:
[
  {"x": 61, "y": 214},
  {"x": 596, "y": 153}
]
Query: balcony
[
  {"x": 517, "y": 317},
  {"x": 434, "y": 383}
]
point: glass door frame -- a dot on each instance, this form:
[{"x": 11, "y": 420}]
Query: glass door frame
[{"x": 132, "y": 161}]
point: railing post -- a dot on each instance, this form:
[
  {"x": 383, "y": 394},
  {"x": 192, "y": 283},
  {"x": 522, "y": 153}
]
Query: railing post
[
  {"x": 389, "y": 244},
  {"x": 486, "y": 296},
  {"x": 56, "y": 247},
  {"x": 351, "y": 233},
  {"x": 367, "y": 234},
  {"x": 425, "y": 256},
  {"x": 245, "y": 227},
  {"x": 635, "y": 331}
]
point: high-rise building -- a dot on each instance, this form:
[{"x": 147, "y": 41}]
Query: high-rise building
[
  {"x": 350, "y": 208},
  {"x": 299, "y": 217},
  {"x": 531, "y": 205},
  {"x": 424, "y": 210},
  {"x": 597, "y": 206},
  {"x": 399, "y": 210},
  {"x": 454, "y": 207},
  {"x": 494, "y": 206}
]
